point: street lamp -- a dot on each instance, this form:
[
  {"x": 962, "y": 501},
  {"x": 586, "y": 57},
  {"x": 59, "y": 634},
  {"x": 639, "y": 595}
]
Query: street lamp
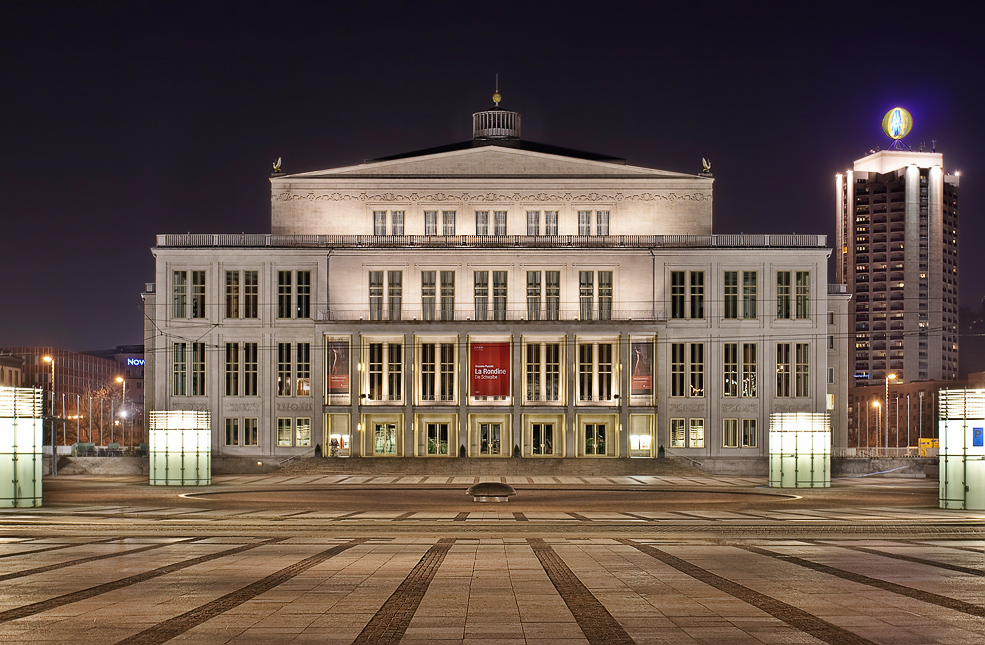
[
  {"x": 889, "y": 377},
  {"x": 878, "y": 407},
  {"x": 54, "y": 455},
  {"x": 123, "y": 407}
]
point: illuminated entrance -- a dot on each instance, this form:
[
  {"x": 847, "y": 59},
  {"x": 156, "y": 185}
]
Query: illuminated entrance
[
  {"x": 384, "y": 439},
  {"x": 542, "y": 439}
]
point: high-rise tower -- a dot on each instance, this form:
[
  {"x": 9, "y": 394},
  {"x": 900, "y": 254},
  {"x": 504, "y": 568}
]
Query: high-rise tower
[{"x": 897, "y": 240}]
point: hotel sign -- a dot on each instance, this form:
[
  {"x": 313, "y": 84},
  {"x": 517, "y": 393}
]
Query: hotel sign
[{"x": 897, "y": 123}]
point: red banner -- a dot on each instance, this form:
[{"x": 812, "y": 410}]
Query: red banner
[
  {"x": 338, "y": 367},
  {"x": 641, "y": 381},
  {"x": 490, "y": 369}
]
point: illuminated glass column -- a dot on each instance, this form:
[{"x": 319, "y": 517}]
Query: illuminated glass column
[
  {"x": 800, "y": 450},
  {"x": 962, "y": 449},
  {"x": 21, "y": 426},
  {"x": 180, "y": 448}
]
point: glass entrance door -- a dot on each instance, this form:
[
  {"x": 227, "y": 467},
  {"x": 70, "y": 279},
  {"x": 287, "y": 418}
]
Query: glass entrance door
[
  {"x": 595, "y": 439},
  {"x": 490, "y": 439},
  {"x": 385, "y": 439},
  {"x": 543, "y": 438},
  {"x": 437, "y": 438}
]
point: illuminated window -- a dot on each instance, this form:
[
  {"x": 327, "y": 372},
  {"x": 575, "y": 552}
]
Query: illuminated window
[
  {"x": 783, "y": 369},
  {"x": 490, "y": 439},
  {"x": 283, "y": 369},
  {"x": 749, "y": 369},
  {"x": 696, "y": 433},
  {"x": 542, "y": 369},
  {"x": 595, "y": 371},
  {"x": 302, "y": 431},
  {"x": 678, "y": 433},
  {"x": 384, "y": 439},
  {"x": 437, "y": 371},
  {"x": 284, "y": 431},
  {"x": 437, "y": 438},
  {"x": 303, "y": 370},
  {"x": 385, "y": 368},
  {"x": 730, "y": 369},
  {"x": 595, "y": 438},
  {"x": 542, "y": 435}
]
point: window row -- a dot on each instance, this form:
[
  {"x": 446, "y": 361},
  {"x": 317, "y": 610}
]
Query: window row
[
  {"x": 493, "y": 222},
  {"x": 740, "y": 369},
  {"x": 739, "y": 295},
  {"x": 736, "y": 433},
  {"x": 242, "y": 294}
]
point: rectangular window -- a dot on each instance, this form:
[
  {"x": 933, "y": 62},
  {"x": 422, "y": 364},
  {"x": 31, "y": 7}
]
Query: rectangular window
[
  {"x": 429, "y": 295},
  {"x": 677, "y": 358},
  {"x": 499, "y": 295},
  {"x": 602, "y": 222},
  {"x": 379, "y": 222},
  {"x": 481, "y": 294},
  {"x": 696, "y": 433},
  {"x": 232, "y": 432},
  {"x": 697, "y": 374},
  {"x": 783, "y": 294},
  {"x": 697, "y": 294},
  {"x": 783, "y": 369},
  {"x": 302, "y": 431},
  {"x": 179, "y": 294},
  {"x": 438, "y": 372},
  {"x": 283, "y": 369},
  {"x": 179, "y": 369},
  {"x": 284, "y": 294},
  {"x": 232, "y": 369},
  {"x": 677, "y": 294},
  {"x": 730, "y": 369},
  {"x": 731, "y": 293},
  {"x": 198, "y": 294},
  {"x": 303, "y": 300},
  {"x": 482, "y": 222},
  {"x": 232, "y": 294},
  {"x": 533, "y": 222},
  {"x": 605, "y": 295},
  {"x": 678, "y": 433},
  {"x": 251, "y": 432},
  {"x": 198, "y": 369},
  {"x": 251, "y": 371},
  {"x": 430, "y": 222},
  {"x": 251, "y": 294},
  {"x": 749, "y": 369},
  {"x": 448, "y": 295},
  {"x": 749, "y": 433},
  {"x": 384, "y": 439},
  {"x": 437, "y": 438},
  {"x": 385, "y": 369},
  {"x": 802, "y": 366},
  {"x": 533, "y": 295},
  {"x": 490, "y": 439},
  {"x": 448, "y": 222},
  {"x": 550, "y": 222},
  {"x": 584, "y": 222},
  {"x": 595, "y": 372},
  {"x": 749, "y": 295},
  {"x": 397, "y": 222},
  {"x": 585, "y": 371},
  {"x": 447, "y": 372},
  {"x": 543, "y": 371},
  {"x": 730, "y": 433},
  {"x": 376, "y": 295},
  {"x": 803, "y": 295},
  {"x": 831, "y": 342},
  {"x": 284, "y": 427},
  {"x": 395, "y": 290},
  {"x": 595, "y": 438},
  {"x": 303, "y": 370},
  {"x": 542, "y": 435},
  {"x": 586, "y": 294},
  {"x": 499, "y": 222},
  {"x": 552, "y": 294}
]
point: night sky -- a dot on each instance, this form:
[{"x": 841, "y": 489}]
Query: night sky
[{"x": 123, "y": 120}]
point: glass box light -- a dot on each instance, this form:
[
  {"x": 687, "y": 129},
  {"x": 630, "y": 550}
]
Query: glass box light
[
  {"x": 961, "y": 457},
  {"x": 180, "y": 448},
  {"x": 21, "y": 429},
  {"x": 800, "y": 450}
]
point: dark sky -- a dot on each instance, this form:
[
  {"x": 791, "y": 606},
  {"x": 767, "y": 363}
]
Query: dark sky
[{"x": 123, "y": 120}]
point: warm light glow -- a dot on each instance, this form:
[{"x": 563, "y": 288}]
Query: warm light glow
[
  {"x": 119, "y": 379},
  {"x": 47, "y": 359},
  {"x": 891, "y": 377}
]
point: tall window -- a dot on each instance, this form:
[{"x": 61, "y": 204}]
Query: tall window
[
  {"x": 677, "y": 366},
  {"x": 696, "y": 433},
  {"x": 584, "y": 222},
  {"x": 232, "y": 294},
  {"x": 448, "y": 222},
  {"x": 481, "y": 294},
  {"x": 251, "y": 433},
  {"x": 802, "y": 367},
  {"x": 730, "y": 433},
  {"x": 198, "y": 369},
  {"x": 376, "y": 295},
  {"x": 697, "y": 373},
  {"x": 543, "y": 371},
  {"x": 428, "y": 295},
  {"x": 749, "y": 433},
  {"x": 302, "y": 307},
  {"x": 586, "y": 294},
  {"x": 533, "y": 222},
  {"x": 749, "y": 295},
  {"x": 678, "y": 433},
  {"x": 198, "y": 294},
  {"x": 430, "y": 222},
  {"x": 283, "y": 369},
  {"x": 595, "y": 437},
  {"x": 482, "y": 222},
  {"x": 595, "y": 371},
  {"x": 730, "y": 370},
  {"x": 251, "y": 294},
  {"x": 550, "y": 222},
  {"x": 499, "y": 222},
  {"x": 251, "y": 371},
  {"x": 284, "y": 431},
  {"x": 605, "y": 295},
  {"x": 302, "y": 378},
  {"x": 677, "y": 286},
  {"x": 179, "y": 294},
  {"x": 385, "y": 369},
  {"x": 783, "y": 294},
  {"x": 552, "y": 294},
  {"x": 437, "y": 438},
  {"x": 697, "y": 294},
  {"x": 602, "y": 222},
  {"x": 731, "y": 294},
  {"x": 384, "y": 438},
  {"x": 179, "y": 369},
  {"x": 783, "y": 369},
  {"x": 232, "y": 369},
  {"x": 232, "y": 432},
  {"x": 397, "y": 223},
  {"x": 750, "y": 370},
  {"x": 284, "y": 294},
  {"x": 447, "y": 295},
  {"x": 302, "y": 431},
  {"x": 379, "y": 222},
  {"x": 803, "y": 295},
  {"x": 395, "y": 290},
  {"x": 533, "y": 295},
  {"x": 438, "y": 372},
  {"x": 542, "y": 435},
  {"x": 490, "y": 439},
  {"x": 499, "y": 295}
]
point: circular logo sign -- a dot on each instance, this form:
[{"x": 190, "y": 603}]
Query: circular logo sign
[{"x": 897, "y": 123}]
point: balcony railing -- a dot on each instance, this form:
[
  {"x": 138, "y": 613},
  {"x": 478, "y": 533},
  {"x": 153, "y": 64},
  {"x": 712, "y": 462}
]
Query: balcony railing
[
  {"x": 519, "y": 314},
  {"x": 204, "y": 240}
]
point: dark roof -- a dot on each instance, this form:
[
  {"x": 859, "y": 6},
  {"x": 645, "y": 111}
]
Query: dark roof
[{"x": 520, "y": 144}]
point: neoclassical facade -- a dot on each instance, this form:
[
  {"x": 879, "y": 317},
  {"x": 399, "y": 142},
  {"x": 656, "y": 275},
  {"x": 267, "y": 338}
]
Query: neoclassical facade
[{"x": 491, "y": 299}]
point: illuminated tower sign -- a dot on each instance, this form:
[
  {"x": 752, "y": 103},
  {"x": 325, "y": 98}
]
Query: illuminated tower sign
[{"x": 897, "y": 124}]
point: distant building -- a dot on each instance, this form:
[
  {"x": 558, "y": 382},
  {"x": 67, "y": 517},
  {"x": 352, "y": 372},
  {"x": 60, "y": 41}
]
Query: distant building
[
  {"x": 131, "y": 361},
  {"x": 10, "y": 369}
]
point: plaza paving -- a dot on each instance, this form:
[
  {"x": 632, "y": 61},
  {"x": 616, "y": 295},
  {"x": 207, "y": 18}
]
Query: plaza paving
[{"x": 411, "y": 559}]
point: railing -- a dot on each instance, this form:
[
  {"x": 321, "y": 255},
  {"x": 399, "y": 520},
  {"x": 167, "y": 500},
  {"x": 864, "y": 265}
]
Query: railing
[
  {"x": 882, "y": 453},
  {"x": 490, "y": 241},
  {"x": 512, "y": 315}
]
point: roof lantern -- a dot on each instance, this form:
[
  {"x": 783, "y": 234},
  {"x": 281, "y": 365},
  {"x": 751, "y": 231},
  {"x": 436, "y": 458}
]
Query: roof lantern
[{"x": 496, "y": 123}]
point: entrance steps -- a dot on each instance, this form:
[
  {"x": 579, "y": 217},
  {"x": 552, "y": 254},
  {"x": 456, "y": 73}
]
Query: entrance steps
[{"x": 465, "y": 466}]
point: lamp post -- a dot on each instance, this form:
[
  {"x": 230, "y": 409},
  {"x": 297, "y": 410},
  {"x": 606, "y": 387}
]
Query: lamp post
[
  {"x": 123, "y": 407},
  {"x": 889, "y": 377},
  {"x": 54, "y": 455},
  {"x": 878, "y": 407}
]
